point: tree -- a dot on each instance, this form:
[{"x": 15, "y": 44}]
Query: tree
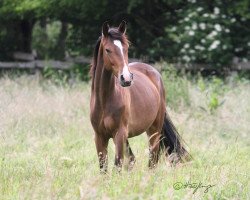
[
  {"x": 174, "y": 30},
  {"x": 18, "y": 18}
]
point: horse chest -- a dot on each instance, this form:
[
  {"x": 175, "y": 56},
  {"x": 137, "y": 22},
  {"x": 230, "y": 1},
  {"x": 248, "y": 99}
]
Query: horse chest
[
  {"x": 113, "y": 116},
  {"x": 107, "y": 120}
]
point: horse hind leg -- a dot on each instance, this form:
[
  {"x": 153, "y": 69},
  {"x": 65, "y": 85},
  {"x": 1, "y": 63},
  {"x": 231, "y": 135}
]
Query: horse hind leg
[
  {"x": 154, "y": 135},
  {"x": 131, "y": 158},
  {"x": 154, "y": 146}
]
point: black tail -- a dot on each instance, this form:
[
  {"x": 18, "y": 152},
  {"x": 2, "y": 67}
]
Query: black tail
[{"x": 172, "y": 142}]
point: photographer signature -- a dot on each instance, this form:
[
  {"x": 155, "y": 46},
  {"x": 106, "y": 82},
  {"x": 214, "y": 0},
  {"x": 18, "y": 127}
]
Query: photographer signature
[{"x": 195, "y": 186}]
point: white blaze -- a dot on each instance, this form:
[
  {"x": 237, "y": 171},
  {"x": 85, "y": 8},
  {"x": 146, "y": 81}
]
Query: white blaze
[{"x": 125, "y": 71}]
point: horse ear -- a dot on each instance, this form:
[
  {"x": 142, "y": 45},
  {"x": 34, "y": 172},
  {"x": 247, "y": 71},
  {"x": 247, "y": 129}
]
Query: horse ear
[
  {"x": 122, "y": 27},
  {"x": 105, "y": 29}
]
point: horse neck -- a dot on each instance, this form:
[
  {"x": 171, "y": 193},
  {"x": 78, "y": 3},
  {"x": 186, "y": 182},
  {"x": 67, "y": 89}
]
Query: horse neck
[{"x": 103, "y": 83}]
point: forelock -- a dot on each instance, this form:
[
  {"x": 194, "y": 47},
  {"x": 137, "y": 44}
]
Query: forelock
[{"x": 115, "y": 34}]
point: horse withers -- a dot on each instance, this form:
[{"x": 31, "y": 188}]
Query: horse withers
[{"x": 128, "y": 99}]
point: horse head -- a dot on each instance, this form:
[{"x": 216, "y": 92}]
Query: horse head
[{"x": 115, "y": 46}]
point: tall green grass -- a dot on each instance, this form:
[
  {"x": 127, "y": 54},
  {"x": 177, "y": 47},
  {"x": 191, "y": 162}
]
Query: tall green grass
[
  {"x": 177, "y": 88},
  {"x": 47, "y": 147}
]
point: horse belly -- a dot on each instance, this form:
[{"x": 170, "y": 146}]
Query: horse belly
[{"x": 145, "y": 103}]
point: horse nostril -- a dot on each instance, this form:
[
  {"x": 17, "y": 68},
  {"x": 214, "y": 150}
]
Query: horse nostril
[{"x": 122, "y": 78}]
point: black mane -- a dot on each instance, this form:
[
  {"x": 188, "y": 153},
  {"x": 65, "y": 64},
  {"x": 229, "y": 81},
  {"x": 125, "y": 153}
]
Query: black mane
[{"x": 95, "y": 56}]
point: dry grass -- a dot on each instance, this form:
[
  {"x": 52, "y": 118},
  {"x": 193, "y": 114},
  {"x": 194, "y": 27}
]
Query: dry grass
[{"x": 47, "y": 149}]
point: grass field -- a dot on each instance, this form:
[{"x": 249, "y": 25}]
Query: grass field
[{"x": 47, "y": 149}]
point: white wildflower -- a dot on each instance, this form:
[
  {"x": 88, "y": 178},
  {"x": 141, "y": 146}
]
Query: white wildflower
[
  {"x": 186, "y": 46},
  {"x": 202, "y": 26},
  {"x": 186, "y": 58},
  {"x": 183, "y": 50},
  {"x": 212, "y": 34},
  {"x": 191, "y": 33},
  {"x": 186, "y": 19},
  {"x": 191, "y": 51},
  {"x": 203, "y": 41},
  {"x": 218, "y": 27},
  {"x": 216, "y": 11},
  {"x": 205, "y": 15},
  {"x": 214, "y": 45},
  {"x": 224, "y": 47},
  {"x": 238, "y": 49},
  {"x": 174, "y": 28},
  {"x": 245, "y": 60},
  {"x": 233, "y": 20},
  {"x": 227, "y": 30},
  {"x": 199, "y": 9},
  {"x": 199, "y": 47},
  {"x": 202, "y": 48},
  {"x": 213, "y": 16},
  {"x": 187, "y": 28},
  {"x": 190, "y": 15},
  {"x": 248, "y": 44},
  {"x": 194, "y": 26}
]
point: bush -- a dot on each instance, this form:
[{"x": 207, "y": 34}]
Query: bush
[
  {"x": 77, "y": 73},
  {"x": 45, "y": 39},
  {"x": 176, "y": 86},
  {"x": 212, "y": 32},
  {"x": 204, "y": 34}
]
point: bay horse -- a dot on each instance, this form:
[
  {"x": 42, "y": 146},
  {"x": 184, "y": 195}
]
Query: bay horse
[{"x": 128, "y": 99}]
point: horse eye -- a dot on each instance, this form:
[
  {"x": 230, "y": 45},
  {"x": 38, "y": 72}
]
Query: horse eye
[{"x": 107, "y": 51}]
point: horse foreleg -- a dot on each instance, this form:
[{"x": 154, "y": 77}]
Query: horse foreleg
[
  {"x": 102, "y": 152},
  {"x": 129, "y": 154},
  {"x": 120, "y": 142}
]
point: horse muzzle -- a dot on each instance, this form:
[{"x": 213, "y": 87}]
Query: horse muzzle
[{"x": 126, "y": 82}]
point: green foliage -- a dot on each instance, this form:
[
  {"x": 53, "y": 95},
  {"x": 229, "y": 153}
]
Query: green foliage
[
  {"x": 204, "y": 36},
  {"x": 205, "y": 33},
  {"x": 177, "y": 87},
  {"x": 175, "y": 31},
  {"x": 20, "y": 9},
  {"x": 214, "y": 89},
  {"x": 57, "y": 76},
  {"x": 45, "y": 39},
  {"x": 4, "y": 42},
  {"x": 76, "y": 73},
  {"x": 213, "y": 102}
]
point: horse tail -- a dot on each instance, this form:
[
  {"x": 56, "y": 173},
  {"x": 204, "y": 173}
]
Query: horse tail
[{"x": 172, "y": 142}]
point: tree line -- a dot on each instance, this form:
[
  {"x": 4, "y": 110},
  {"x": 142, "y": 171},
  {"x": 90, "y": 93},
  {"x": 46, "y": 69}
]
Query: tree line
[{"x": 189, "y": 31}]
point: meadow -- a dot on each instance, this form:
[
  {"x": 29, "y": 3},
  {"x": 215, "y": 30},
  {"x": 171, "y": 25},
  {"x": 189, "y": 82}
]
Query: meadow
[{"x": 47, "y": 148}]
